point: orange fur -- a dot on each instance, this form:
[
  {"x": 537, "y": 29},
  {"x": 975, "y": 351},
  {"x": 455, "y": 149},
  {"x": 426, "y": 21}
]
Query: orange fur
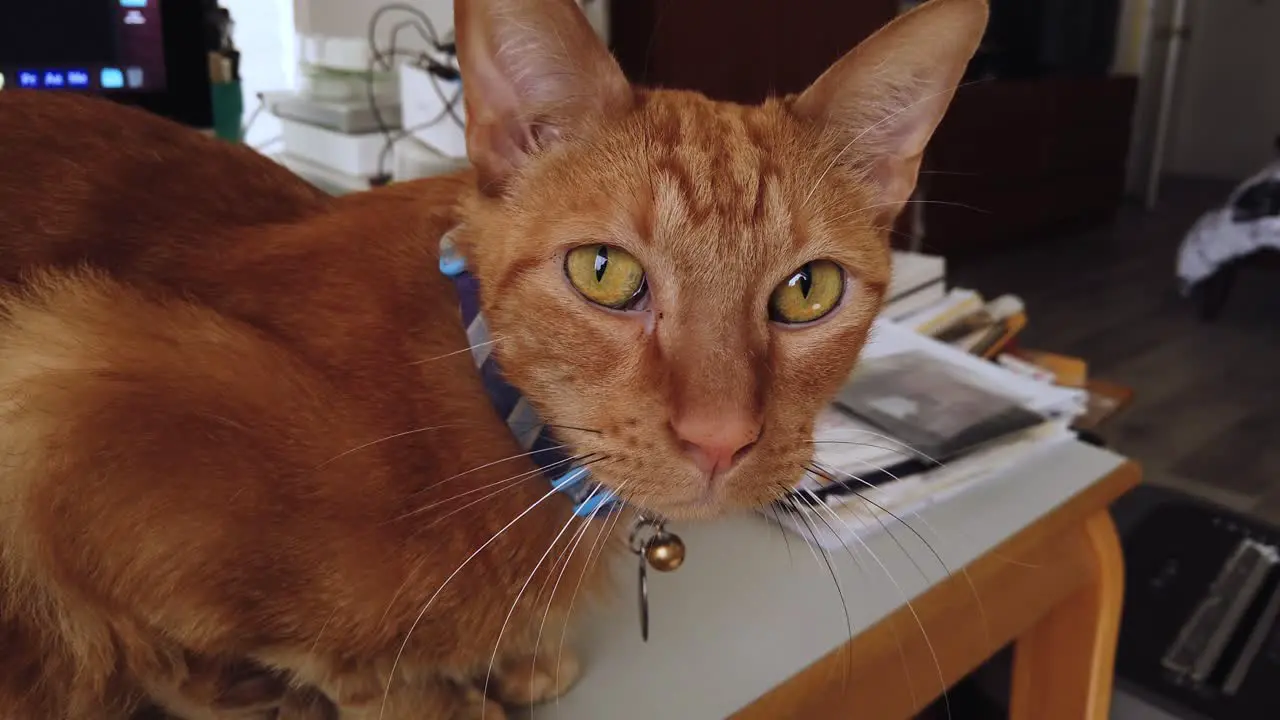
[{"x": 235, "y": 425}]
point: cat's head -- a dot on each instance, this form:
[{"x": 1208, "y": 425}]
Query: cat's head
[{"x": 689, "y": 282}]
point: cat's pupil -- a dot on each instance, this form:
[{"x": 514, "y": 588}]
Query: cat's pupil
[
  {"x": 805, "y": 278},
  {"x": 602, "y": 262}
]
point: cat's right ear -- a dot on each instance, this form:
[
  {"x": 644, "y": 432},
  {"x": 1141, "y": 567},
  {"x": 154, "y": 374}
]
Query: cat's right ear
[{"x": 532, "y": 73}]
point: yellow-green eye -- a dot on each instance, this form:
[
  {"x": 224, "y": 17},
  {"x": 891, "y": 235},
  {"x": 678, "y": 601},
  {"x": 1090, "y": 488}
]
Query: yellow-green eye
[
  {"x": 810, "y": 293},
  {"x": 606, "y": 275}
]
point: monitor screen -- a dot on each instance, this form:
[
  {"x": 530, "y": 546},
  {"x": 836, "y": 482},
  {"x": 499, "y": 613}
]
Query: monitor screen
[{"x": 100, "y": 46}]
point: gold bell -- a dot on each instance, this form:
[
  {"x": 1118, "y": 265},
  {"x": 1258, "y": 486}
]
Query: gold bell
[{"x": 664, "y": 552}]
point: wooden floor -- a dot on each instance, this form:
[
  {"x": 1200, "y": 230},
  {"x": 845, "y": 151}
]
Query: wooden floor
[{"x": 1207, "y": 411}]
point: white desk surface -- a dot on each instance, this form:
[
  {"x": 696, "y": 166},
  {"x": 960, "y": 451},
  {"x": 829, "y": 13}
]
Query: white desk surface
[{"x": 744, "y": 613}]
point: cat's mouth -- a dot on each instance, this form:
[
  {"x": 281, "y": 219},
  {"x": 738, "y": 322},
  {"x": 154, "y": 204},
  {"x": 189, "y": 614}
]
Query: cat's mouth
[{"x": 708, "y": 502}]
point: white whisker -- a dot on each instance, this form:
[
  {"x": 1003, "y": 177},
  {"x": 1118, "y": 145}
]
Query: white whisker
[
  {"x": 902, "y": 594},
  {"x": 973, "y": 588},
  {"x": 906, "y": 446},
  {"x": 507, "y": 620},
  {"x": 897, "y": 638},
  {"x": 568, "y": 558},
  {"x": 887, "y": 529},
  {"x": 509, "y": 458},
  {"x": 511, "y": 481},
  {"x": 492, "y": 341},
  {"x": 371, "y": 443},
  {"x": 777, "y": 519},
  {"x": 844, "y": 604},
  {"x": 413, "y": 626},
  {"x": 597, "y": 546}
]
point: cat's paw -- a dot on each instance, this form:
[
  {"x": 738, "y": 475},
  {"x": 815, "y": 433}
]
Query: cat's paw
[
  {"x": 528, "y": 681},
  {"x": 479, "y": 707},
  {"x": 435, "y": 700}
]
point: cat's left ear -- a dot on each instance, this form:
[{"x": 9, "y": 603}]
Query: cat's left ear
[
  {"x": 532, "y": 73},
  {"x": 880, "y": 104}
]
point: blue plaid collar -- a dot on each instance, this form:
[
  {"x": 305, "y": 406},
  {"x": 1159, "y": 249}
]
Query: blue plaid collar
[{"x": 589, "y": 498}]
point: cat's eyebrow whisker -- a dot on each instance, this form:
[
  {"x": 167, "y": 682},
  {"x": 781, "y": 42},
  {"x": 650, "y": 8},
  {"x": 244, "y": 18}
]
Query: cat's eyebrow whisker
[
  {"x": 520, "y": 593},
  {"x": 902, "y": 594},
  {"x": 492, "y": 341},
  {"x": 921, "y": 201},
  {"x": 386, "y": 693}
]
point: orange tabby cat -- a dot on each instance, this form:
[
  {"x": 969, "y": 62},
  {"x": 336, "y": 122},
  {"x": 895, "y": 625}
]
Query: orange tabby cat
[{"x": 237, "y": 418}]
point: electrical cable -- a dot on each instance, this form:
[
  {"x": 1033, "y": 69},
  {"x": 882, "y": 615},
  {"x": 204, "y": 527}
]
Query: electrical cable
[
  {"x": 408, "y": 133},
  {"x": 253, "y": 116},
  {"x": 437, "y": 71}
]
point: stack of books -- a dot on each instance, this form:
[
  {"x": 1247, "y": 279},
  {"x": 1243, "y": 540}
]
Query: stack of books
[
  {"x": 918, "y": 282},
  {"x": 918, "y": 298},
  {"x": 967, "y": 320},
  {"x": 920, "y": 420}
]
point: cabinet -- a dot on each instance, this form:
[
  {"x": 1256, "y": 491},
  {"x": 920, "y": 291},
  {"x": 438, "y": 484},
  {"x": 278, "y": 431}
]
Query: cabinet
[
  {"x": 1020, "y": 160},
  {"x": 1031, "y": 157},
  {"x": 739, "y": 50}
]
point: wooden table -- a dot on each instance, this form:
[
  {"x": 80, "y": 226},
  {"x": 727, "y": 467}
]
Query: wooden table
[
  {"x": 749, "y": 630},
  {"x": 1055, "y": 589}
]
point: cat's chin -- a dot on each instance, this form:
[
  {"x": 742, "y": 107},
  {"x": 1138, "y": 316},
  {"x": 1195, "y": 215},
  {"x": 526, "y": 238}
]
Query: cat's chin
[{"x": 696, "y": 510}]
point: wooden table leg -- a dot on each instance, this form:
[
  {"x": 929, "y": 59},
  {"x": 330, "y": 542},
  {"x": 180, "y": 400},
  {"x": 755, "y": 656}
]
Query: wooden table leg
[{"x": 1063, "y": 666}]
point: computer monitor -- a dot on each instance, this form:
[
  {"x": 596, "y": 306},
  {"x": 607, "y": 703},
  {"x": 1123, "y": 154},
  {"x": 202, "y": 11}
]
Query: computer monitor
[{"x": 151, "y": 53}]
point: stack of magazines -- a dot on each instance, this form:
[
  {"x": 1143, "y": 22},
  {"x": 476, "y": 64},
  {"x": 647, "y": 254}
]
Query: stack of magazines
[{"x": 920, "y": 421}]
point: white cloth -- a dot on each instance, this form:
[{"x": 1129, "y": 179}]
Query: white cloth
[{"x": 1217, "y": 238}]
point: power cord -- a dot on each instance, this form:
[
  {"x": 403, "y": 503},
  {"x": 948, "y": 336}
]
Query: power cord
[
  {"x": 438, "y": 72},
  {"x": 253, "y": 116}
]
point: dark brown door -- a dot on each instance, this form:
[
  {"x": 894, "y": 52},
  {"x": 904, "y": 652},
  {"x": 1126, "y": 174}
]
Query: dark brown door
[{"x": 740, "y": 50}]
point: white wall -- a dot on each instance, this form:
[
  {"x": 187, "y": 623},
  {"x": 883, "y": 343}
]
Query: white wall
[
  {"x": 1226, "y": 111},
  {"x": 264, "y": 34}
]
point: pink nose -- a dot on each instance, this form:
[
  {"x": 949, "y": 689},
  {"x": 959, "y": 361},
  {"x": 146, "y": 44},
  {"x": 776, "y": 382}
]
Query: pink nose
[{"x": 716, "y": 443}]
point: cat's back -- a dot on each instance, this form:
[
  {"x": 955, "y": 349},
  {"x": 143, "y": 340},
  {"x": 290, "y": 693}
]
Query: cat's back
[{"x": 86, "y": 179}]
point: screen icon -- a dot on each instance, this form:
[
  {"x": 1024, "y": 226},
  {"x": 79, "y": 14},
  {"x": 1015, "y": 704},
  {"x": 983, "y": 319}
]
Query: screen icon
[
  {"x": 135, "y": 17},
  {"x": 111, "y": 79},
  {"x": 133, "y": 3},
  {"x": 54, "y": 79},
  {"x": 28, "y": 79},
  {"x": 77, "y": 79},
  {"x": 134, "y": 75}
]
